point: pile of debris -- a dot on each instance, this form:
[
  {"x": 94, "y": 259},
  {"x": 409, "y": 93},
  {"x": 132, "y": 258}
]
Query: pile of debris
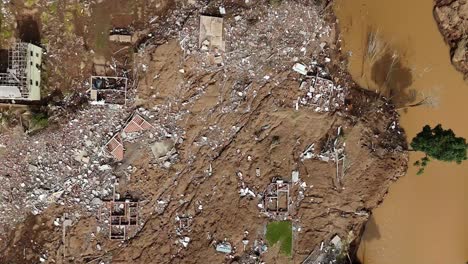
[
  {"x": 244, "y": 54},
  {"x": 333, "y": 149},
  {"x": 74, "y": 166},
  {"x": 319, "y": 91},
  {"x": 334, "y": 251},
  {"x": 75, "y": 171}
]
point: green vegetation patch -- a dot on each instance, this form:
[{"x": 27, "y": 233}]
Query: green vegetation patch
[
  {"x": 30, "y": 3},
  {"x": 275, "y": 3},
  {"x": 281, "y": 232},
  {"x": 68, "y": 22},
  {"x": 53, "y": 8},
  {"x": 440, "y": 144},
  {"x": 39, "y": 121}
]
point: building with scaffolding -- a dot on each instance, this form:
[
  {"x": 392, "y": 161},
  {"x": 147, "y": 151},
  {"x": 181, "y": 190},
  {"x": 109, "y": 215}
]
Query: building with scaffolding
[{"x": 22, "y": 79}]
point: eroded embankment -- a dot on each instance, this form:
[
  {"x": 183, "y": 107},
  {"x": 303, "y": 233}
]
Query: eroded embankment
[{"x": 452, "y": 18}]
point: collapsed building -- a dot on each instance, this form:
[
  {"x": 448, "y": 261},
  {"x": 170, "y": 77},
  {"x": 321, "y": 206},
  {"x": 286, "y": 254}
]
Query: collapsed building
[
  {"x": 121, "y": 214},
  {"x": 109, "y": 89},
  {"x": 115, "y": 146},
  {"x": 22, "y": 78},
  {"x": 276, "y": 198},
  {"x": 211, "y": 38},
  {"x": 211, "y": 33}
]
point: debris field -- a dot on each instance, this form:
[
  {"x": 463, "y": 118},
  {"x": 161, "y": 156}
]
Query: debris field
[{"x": 237, "y": 114}]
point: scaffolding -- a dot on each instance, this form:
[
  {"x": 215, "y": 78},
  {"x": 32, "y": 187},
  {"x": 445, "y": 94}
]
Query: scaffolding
[
  {"x": 17, "y": 63},
  {"x": 22, "y": 79}
]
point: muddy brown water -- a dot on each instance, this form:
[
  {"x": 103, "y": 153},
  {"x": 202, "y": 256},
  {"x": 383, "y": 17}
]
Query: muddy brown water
[{"x": 423, "y": 219}]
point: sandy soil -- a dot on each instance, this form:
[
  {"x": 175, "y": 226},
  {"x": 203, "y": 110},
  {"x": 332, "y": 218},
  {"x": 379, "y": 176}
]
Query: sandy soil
[{"x": 234, "y": 119}]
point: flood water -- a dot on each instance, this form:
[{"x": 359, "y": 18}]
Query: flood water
[{"x": 423, "y": 219}]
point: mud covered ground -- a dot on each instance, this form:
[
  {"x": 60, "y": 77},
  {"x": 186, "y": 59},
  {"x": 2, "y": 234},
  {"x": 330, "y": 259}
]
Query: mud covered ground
[
  {"x": 232, "y": 126},
  {"x": 452, "y": 18}
]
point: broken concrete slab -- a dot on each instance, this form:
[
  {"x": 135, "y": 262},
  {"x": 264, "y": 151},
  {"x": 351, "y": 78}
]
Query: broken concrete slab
[
  {"x": 300, "y": 68},
  {"x": 161, "y": 148},
  {"x": 224, "y": 247},
  {"x": 295, "y": 176},
  {"x": 211, "y": 30},
  {"x": 121, "y": 38}
]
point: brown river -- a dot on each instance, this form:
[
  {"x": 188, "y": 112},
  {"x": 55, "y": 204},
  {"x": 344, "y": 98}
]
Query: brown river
[{"x": 423, "y": 219}]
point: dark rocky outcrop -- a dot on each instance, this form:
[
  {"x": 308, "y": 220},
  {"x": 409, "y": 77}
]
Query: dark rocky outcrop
[{"x": 452, "y": 18}]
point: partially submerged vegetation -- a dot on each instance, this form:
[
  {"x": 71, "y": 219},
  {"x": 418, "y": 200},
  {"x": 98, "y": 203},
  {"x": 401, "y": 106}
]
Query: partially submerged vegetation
[{"x": 440, "y": 144}]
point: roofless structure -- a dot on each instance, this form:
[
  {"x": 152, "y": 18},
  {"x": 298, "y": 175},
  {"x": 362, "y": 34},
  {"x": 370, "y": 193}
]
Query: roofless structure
[{"x": 22, "y": 79}]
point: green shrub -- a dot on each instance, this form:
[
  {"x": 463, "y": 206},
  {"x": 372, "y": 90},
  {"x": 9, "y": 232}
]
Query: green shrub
[
  {"x": 440, "y": 144},
  {"x": 38, "y": 121},
  {"x": 275, "y": 3}
]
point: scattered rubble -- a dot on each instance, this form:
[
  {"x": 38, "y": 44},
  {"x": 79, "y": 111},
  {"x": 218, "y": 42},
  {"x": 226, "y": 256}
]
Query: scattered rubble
[{"x": 219, "y": 116}]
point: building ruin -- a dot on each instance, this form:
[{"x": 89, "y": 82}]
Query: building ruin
[
  {"x": 115, "y": 146},
  {"x": 109, "y": 89},
  {"x": 276, "y": 198},
  {"x": 123, "y": 218}
]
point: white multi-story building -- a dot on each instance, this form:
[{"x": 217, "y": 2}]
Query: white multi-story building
[{"x": 22, "y": 80}]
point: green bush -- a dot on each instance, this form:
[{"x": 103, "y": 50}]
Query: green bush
[
  {"x": 275, "y": 3},
  {"x": 439, "y": 144},
  {"x": 38, "y": 121}
]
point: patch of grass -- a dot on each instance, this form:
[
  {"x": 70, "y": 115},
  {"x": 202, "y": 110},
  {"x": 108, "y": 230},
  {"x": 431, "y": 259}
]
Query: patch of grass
[
  {"x": 6, "y": 28},
  {"x": 45, "y": 40},
  {"x": 78, "y": 9},
  {"x": 53, "y": 8},
  {"x": 68, "y": 22},
  {"x": 30, "y": 3},
  {"x": 4, "y": 119},
  {"x": 281, "y": 232},
  {"x": 45, "y": 18},
  {"x": 101, "y": 42},
  {"x": 38, "y": 121},
  {"x": 275, "y": 3},
  {"x": 6, "y": 34}
]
